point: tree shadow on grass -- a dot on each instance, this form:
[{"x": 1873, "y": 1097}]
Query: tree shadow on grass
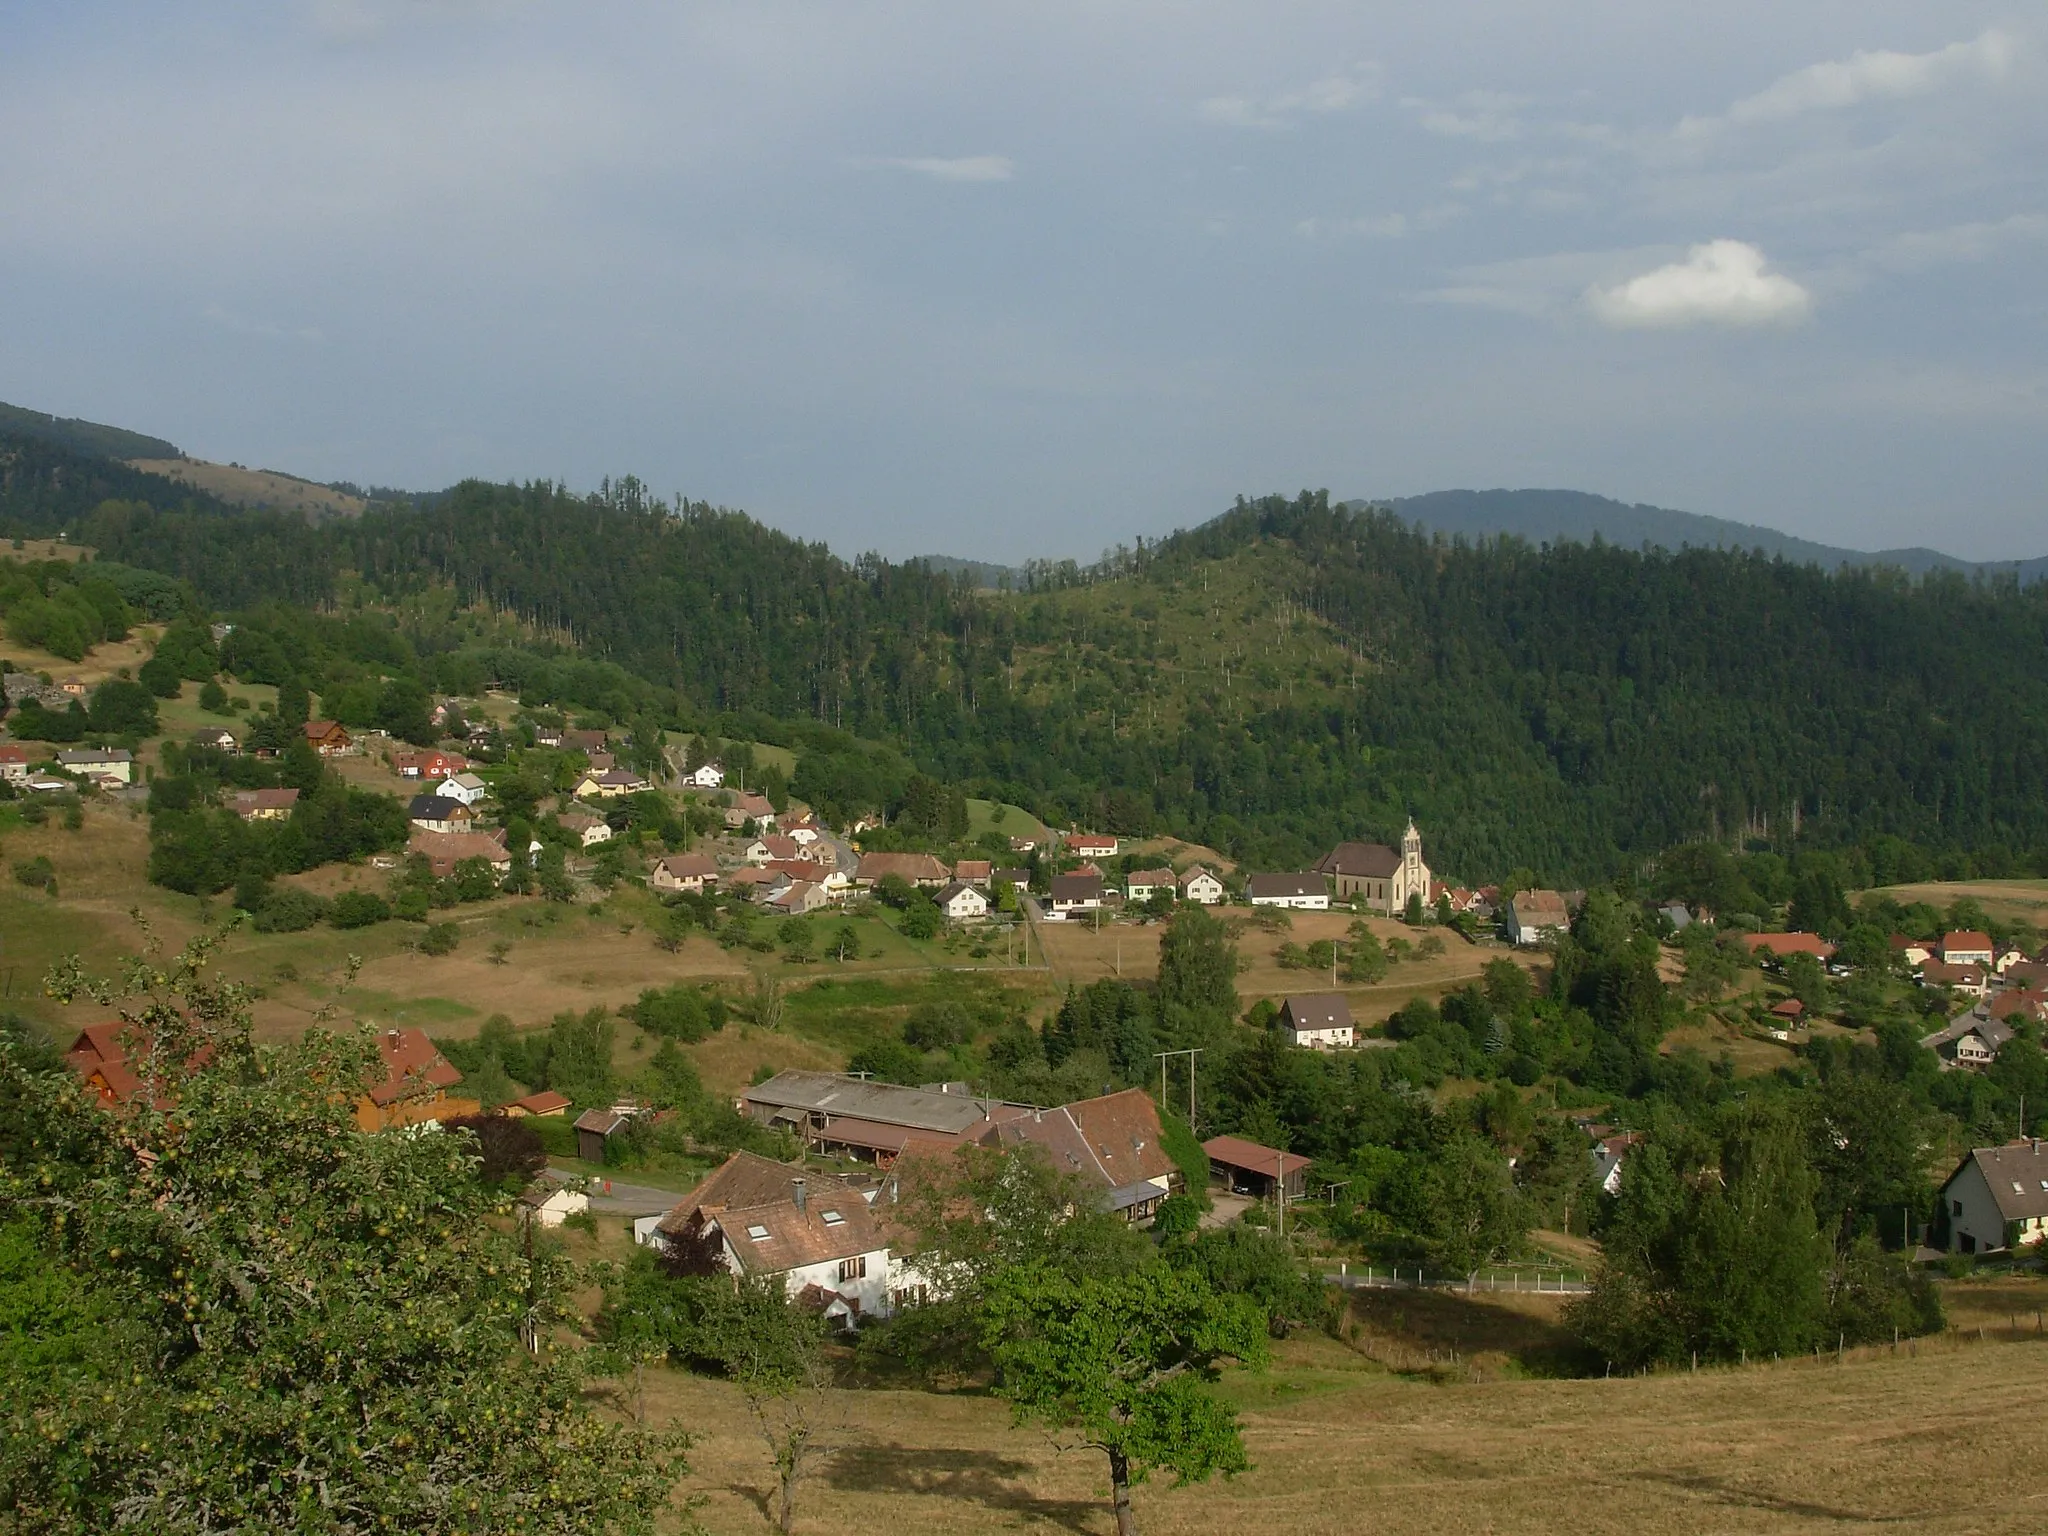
[
  {"x": 1723, "y": 1492},
  {"x": 943, "y": 1474}
]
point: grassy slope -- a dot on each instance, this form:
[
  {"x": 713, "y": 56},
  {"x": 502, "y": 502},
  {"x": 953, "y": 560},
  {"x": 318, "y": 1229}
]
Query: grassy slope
[
  {"x": 254, "y": 487},
  {"x": 1340, "y": 1444}
]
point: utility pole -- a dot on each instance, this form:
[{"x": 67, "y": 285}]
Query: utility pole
[
  {"x": 1191, "y": 1055},
  {"x": 1280, "y": 1189}
]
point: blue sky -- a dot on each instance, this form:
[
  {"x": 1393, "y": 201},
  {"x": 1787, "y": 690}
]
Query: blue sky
[{"x": 1011, "y": 280}]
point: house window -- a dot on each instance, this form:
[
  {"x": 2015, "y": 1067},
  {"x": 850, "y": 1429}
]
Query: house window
[
  {"x": 833, "y": 1219},
  {"x": 758, "y": 1233},
  {"x": 1957, "y": 1207},
  {"x": 854, "y": 1268}
]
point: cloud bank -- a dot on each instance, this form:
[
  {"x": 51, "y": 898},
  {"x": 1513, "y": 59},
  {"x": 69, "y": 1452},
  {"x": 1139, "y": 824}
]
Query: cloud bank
[
  {"x": 1332, "y": 93},
  {"x": 955, "y": 168},
  {"x": 1868, "y": 76},
  {"x": 1722, "y": 282}
]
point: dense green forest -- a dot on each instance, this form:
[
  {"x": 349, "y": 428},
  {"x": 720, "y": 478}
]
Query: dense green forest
[{"x": 1570, "y": 710}]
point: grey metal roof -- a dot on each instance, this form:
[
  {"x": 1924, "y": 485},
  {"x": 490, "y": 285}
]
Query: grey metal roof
[
  {"x": 2017, "y": 1176},
  {"x": 828, "y": 1093}
]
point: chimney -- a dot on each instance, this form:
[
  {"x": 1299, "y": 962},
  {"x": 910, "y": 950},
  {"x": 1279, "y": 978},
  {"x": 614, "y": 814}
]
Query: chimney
[{"x": 796, "y": 1188}]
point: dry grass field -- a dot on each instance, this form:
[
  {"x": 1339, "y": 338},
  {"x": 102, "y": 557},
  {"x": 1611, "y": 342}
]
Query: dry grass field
[
  {"x": 254, "y": 487},
  {"x": 2021, "y": 900},
  {"x": 1943, "y": 1439},
  {"x": 103, "y": 661}
]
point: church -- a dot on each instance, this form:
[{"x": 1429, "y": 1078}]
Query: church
[{"x": 1383, "y": 877}]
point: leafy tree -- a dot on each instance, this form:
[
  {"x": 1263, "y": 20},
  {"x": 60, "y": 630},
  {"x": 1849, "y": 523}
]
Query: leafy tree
[
  {"x": 358, "y": 909},
  {"x": 1198, "y": 964},
  {"x": 213, "y": 698},
  {"x": 579, "y": 1055},
  {"x": 509, "y": 1151},
  {"x": 1119, "y": 1363},
  {"x": 921, "y": 918},
  {"x": 1238, "y": 1260},
  {"x": 304, "y": 1327},
  {"x": 1475, "y": 1214}
]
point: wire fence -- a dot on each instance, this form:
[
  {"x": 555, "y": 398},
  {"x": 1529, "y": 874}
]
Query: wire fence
[{"x": 1532, "y": 1279}]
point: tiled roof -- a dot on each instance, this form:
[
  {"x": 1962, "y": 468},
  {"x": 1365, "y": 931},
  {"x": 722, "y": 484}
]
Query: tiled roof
[
  {"x": 754, "y": 1202},
  {"x": 1113, "y": 1141},
  {"x": 1316, "y": 1010},
  {"x": 410, "y": 1064},
  {"x": 1076, "y": 888},
  {"x": 828, "y": 1093},
  {"x": 1373, "y": 861},
  {"x": 1789, "y": 944},
  {"x": 1295, "y": 885},
  {"x": 2018, "y": 1176},
  {"x": 909, "y": 866}
]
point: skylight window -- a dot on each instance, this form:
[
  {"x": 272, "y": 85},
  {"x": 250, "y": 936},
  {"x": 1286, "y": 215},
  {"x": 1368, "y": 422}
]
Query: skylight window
[
  {"x": 2018, "y": 1188},
  {"x": 833, "y": 1219},
  {"x": 758, "y": 1233}
]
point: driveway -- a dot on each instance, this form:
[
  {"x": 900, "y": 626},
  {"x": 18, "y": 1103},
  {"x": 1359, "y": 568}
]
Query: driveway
[{"x": 610, "y": 1197}]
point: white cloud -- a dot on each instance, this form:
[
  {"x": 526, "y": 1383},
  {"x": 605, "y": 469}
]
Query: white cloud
[
  {"x": 1867, "y": 76},
  {"x": 1332, "y": 93},
  {"x": 955, "y": 168},
  {"x": 1385, "y": 226},
  {"x": 1720, "y": 283},
  {"x": 1486, "y": 117}
]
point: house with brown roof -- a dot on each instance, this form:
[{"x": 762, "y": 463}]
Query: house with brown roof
[
  {"x": 265, "y": 804},
  {"x": 1997, "y": 1199},
  {"x": 745, "y": 806},
  {"x": 109, "y": 1057},
  {"x": 799, "y": 898},
  {"x": 444, "y": 850},
  {"x": 217, "y": 738},
  {"x": 1970, "y": 980},
  {"x": 918, "y": 869},
  {"x": 875, "y": 1121},
  {"x": 1247, "y": 1168},
  {"x": 1089, "y": 845},
  {"x": 690, "y": 872},
  {"x": 414, "y": 1088},
  {"x": 1072, "y": 894},
  {"x": 1111, "y": 1142},
  {"x": 585, "y": 741},
  {"x": 1380, "y": 877},
  {"x": 975, "y": 871},
  {"x": 588, "y": 830},
  {"x": 962, "y": 903},
  {"x": 815, "y": 1233},
  {"x": 611, "y": 784},
  {"x": 1536, "y": 915},
  {"x": 1144, "y": 884},
  {"x": 772, "y": 848},
  {"x": 1201, "y": 886},
  {"x": 1304, "y": 892},
  {"x": 545, "y": 1105},
  {"x": 1319, "y": 1020},
  {"x": 327, "y": 737},
  {"x": 1913, "y": 953},
  {"x": 1967, "y": 947}
]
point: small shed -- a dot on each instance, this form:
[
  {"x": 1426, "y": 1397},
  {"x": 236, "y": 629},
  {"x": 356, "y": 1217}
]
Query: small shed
[
  {"x": 549, "y": 1200},
  {"x": 541, "y": 1106},
  {"x": 1246, "y": 1168},
  {"x": 1790, "y": 1009},
  {"x": 596, "y": 1127}
]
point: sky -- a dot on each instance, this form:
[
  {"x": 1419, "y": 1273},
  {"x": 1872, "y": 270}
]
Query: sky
[{"x": 1006, "y": 281}]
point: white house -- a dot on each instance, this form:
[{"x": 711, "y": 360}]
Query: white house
[
  {"x": 1998, "y": 1199},
  {"x": 1608, "y": 1155},
  {"x": 99, "y": 763},
  {"x": 1201, "y": 886},
  {"x": 1144, "y": 884},
  {"x": 549, "y": 1200},
  {"x": 1318, "y": 1020},
  {"x": 588, "y": 830},
  {"x": 1074, "y": 893},
  {"x": 466, "y": 787},
  {"x": 705, "y": 776},
  {"x": 1088, "y": 845},
  {"x": 1302, "y": 892},
  {"x": 1967, "y": 947},
  {"x": 812, "y": 1231},
  {"x": 13, "y": 762},
  {"x": 1534, "y": 916},
  {"x": 962, "y": 903}
]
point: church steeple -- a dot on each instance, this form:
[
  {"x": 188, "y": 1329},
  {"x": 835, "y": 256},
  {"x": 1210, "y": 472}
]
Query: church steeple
[{"x": 1411, "y": 841}]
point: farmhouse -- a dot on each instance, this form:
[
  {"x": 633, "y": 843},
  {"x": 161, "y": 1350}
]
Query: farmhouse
[
  {"x": 1075, "y": 893},
  {"x": 1379, "y": 876},
  {"x": 870, "y": 1120},
  {"x": 683, "y": 872},
  {"x": 817, "y": 1234},
  {"x": 919, "y": 869},
  {"x": 1089, "y": 845},
  {"x": 1970, "y": 980},
  {"x": 549, "y": 1201},
  {"x": 1144, "y": 884},
  {"x": 1112, "y": 1142},
  {"x": 974, "y": 871},
  {"x": 799, "y": 897},
  {"x": 265, "y": 804},
  {"x": 444, "y": 850},
  {"x": 327, "y": 737},
  {"x": 1319, "y": 1020},
  {"x": 13, "y": 762},
  {"x": 962, "y": 903},
  {"x": 1200, "y": 886},
  {"x": 1302, "y": 892},
  {"x": 1536, "y": 915},
  {"x": 99, "y": 763},
  {"x": 1246, "y": 1168},
  {"x": 610, "y": 784},
  {"x": 415, "y": 1087},
  {"x": 430, "y": 766},
  {"x": 217, "y": 738},
  {"x": 705, "y": 776},
  {"x": 1997, "y": 1199},
  {"x": 585, "y": 741}
]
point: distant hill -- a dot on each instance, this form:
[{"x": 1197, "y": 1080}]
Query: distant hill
[
  {"x": 1542, "y": 516},
  {"x": 86, "y": 437},
  {"x": 980, "y": 572},
  {"x": 256, "y": 487}
]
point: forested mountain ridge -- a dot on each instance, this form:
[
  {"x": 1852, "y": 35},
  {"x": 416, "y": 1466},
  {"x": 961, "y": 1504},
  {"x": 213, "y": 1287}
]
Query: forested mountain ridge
[
  {"x": 1545, "y": 516},
  {"x": 1286, "y": 674}
]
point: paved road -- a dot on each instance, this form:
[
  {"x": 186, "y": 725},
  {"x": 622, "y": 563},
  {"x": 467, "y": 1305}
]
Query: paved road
[{"x": 609, "y": 1197}]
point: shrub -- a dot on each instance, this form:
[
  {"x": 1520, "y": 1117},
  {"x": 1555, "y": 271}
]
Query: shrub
[
  {"x": 289, "y": 911},
  {"x": 358, "y": 909},
  {"x": 439, "y": 939},
  {"x": 37, "y": 873}
]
